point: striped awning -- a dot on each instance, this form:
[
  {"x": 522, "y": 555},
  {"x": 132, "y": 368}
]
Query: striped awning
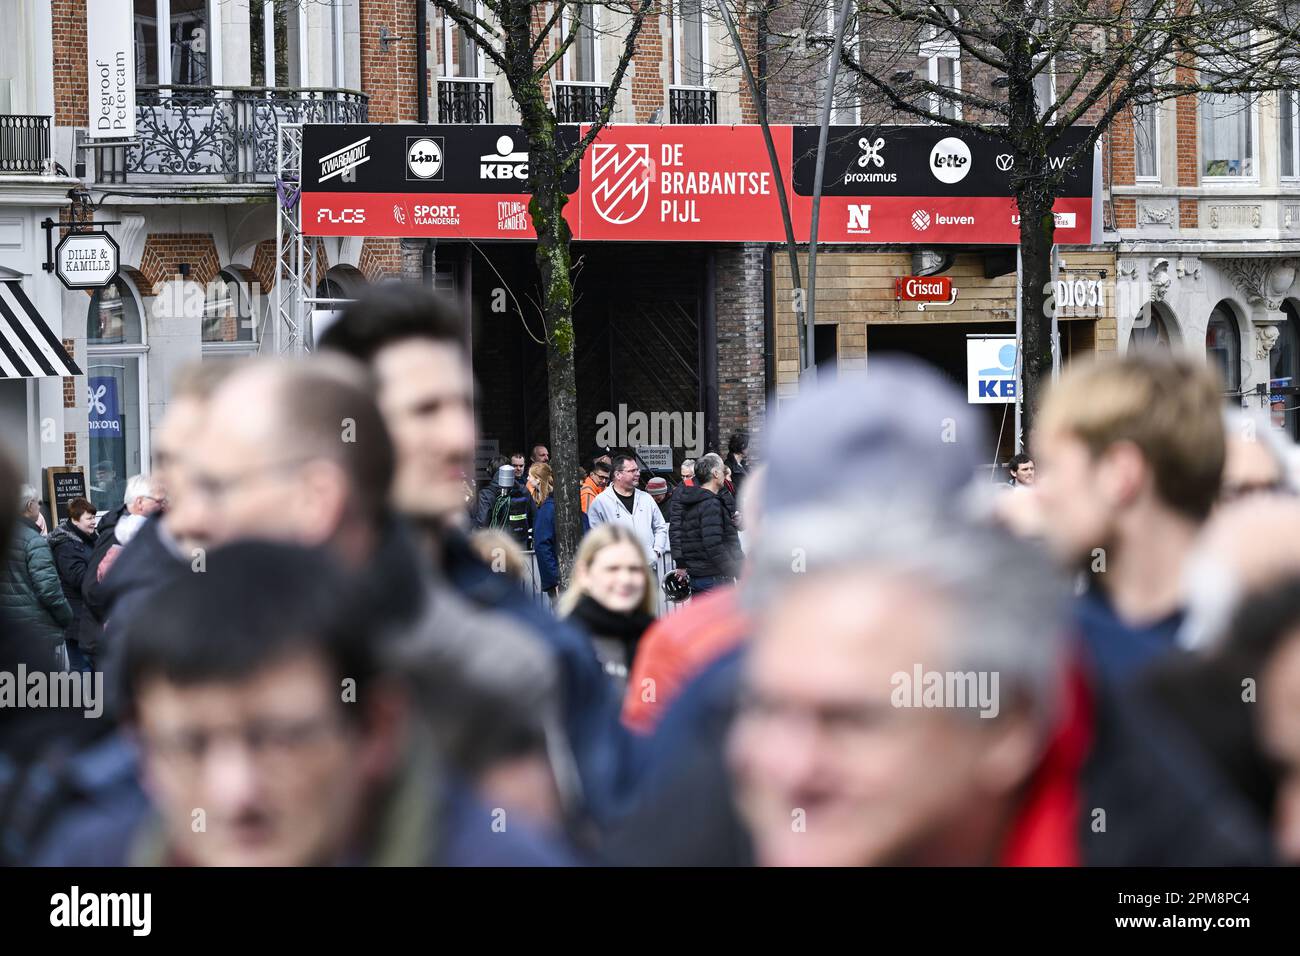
[{"x": 28, "y": 349}]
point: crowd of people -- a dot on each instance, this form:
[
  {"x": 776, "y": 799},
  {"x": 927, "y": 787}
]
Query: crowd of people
[{"x": 315, "y": 649}]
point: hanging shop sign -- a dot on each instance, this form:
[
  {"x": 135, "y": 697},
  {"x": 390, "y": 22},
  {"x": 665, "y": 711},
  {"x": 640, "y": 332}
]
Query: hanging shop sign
[
  {"x": 642, "y": 183},
  {"x": 86, "y": 260}
]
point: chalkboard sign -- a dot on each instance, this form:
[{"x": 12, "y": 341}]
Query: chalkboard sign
[{"x": 62, "y": 484}]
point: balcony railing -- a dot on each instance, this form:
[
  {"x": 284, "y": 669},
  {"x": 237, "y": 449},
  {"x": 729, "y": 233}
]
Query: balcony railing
[
  {"x": 579, "y": 102},
  {"x": 692, "y": 105},
  {"x": 219, "y": 134},
  {"x": 464, "y": 100},
  {"x": 24, "y": 144}
]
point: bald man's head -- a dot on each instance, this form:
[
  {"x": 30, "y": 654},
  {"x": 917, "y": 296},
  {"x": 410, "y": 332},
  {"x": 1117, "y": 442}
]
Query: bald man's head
[{"x": 292, "y": 451}]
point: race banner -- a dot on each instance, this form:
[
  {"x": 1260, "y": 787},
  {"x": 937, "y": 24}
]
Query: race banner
[{"x": 643, "y": 183}]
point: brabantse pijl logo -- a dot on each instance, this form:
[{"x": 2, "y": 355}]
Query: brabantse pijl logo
[{"x": 620, "y": 181}]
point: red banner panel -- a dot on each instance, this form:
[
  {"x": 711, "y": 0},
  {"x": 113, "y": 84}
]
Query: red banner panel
[{"x": 643, "y": 183}]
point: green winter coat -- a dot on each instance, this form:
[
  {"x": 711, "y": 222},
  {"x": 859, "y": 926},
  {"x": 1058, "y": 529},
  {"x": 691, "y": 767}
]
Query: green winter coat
[{"x": 30, "y": 592}]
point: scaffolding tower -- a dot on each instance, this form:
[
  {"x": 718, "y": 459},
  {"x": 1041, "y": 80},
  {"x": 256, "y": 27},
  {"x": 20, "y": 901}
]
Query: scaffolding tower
[{"x": 295, "y": 257}]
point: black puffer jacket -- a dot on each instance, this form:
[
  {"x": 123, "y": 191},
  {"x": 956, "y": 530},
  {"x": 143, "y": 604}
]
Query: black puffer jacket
[
  {"x": 72, "y": 550},
  {"x": 707, "y": 543}
]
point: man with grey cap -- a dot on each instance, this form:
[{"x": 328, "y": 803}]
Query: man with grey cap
[{"x": 824, "y": 729}]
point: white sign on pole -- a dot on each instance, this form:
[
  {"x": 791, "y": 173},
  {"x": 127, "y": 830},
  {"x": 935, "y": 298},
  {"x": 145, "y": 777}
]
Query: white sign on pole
[
  {"x": 990, "y": 369},
  {"x": 656, "y": 457},
  {"x": 86, "y": 260},
  {"x": 322, "y": 319},
  {"x": 110, "y": 68}
]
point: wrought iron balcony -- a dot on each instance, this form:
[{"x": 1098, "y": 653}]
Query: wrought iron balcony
[
  {"x": 218, "y": 134},
  {"x": 579, "y": 102},
  {"x": 24, "y": 144},
  {"x": 692, "y": 105},
  {"x": 464, "y": 100}
]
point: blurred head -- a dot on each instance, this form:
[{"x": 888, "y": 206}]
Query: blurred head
[
  {"x": 178, "y": 433},
  {"x": 611, "y": 569},
  {"x": 1022, "y": 469},
  {"x": 600, "y": 473},
  {"x": 1256, "y": 456},
  {"x": 710, "y": 471},
  {"x": 517, "y": 463},
  {"x": 625, "y": 474},
  {"x": 687, "y": 470},
  {"x": 738, "y": 445},
  {"x": 657, "y": 488},
  {"x": 232, "y": 683},
  {"x": 145, "y": 495},
  {"x": 541, "y": 455},
  {"x": 835, "y": 763},
  {"x": 29, "y": 502},
  {"x": 293, "y": 451},
  {"x": 1120, "y": 437},
  {"x": 415, "y": 343},
  {"x": 542, "y": 481},
  {"x": 82, "y": 515},
  {"x": 497, "y": 549},
  {"x": 1248, "y": 545},
  {"x": 1265, "y": 645}
]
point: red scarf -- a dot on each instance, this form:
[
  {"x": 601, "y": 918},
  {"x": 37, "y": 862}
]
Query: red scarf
[{"x": 1046, "y": 830}]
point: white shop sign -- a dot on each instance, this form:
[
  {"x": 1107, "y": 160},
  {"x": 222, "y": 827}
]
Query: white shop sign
[{"x": 86, "y": 260}]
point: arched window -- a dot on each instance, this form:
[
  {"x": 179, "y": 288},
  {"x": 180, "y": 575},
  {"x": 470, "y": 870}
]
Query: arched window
[
  {"x": 1223, "y": 345},
  {"x": 1151, "y": 329},
  {"x": 1284, "y": 373},
  {"x": 117, "y": 392},
  {"x": 231, "y": 313}
]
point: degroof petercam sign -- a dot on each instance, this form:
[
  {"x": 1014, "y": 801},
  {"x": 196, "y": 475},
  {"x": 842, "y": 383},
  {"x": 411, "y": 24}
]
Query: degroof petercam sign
[{"x": 110, "y": 68}]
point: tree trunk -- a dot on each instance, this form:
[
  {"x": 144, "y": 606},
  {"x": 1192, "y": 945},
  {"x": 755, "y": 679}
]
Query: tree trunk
[{"x": 1037, "y": 230}]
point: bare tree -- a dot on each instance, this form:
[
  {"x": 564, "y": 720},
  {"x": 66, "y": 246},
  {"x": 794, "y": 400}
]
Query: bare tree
[
  {"x": 525, "y": 40},
  {"x": 1032, "y": 68}
]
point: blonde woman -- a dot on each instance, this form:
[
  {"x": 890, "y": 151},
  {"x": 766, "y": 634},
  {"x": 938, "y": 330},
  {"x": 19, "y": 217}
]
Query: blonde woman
[
  {"x": 612, "y": 596},
  {"x": 540, "y": 484}
]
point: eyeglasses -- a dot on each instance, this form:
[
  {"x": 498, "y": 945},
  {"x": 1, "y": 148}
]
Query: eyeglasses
[
  {"x": 210, "y": 486},
  {"x": 162, "y": 502},
  {"x": 1245, "y": 490},
  {"x": 269, "y": 742}
]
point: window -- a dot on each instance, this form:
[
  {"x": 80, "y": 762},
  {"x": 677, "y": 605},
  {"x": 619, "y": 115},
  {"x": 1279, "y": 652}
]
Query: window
[
  {"x": 268, "y": 28},
  {"x": 466, "y": 57},
  {"x": 229, "y": 316},
  {"x": 172, "y": 42},
  {"x": 1284, "y": 373},
  {"x": 1146, "y": 138},
  {"x": 582, "y": 61},
  {"x": 1227, "y": 136},
  {"x": 844, "y": 108},
  {"x": 1288, "y": 107},
  {"x": 1223, "y": 345},
  {"x": 690, "y": 37},
  {"x": 116, "y": 392},
  {"x": 1150, "y": 330},
  {"x": 943, "y": 66}
]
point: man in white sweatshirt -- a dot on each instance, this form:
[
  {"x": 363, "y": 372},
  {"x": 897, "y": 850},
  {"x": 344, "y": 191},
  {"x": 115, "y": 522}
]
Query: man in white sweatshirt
[{"x": 622, "y": 502}]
